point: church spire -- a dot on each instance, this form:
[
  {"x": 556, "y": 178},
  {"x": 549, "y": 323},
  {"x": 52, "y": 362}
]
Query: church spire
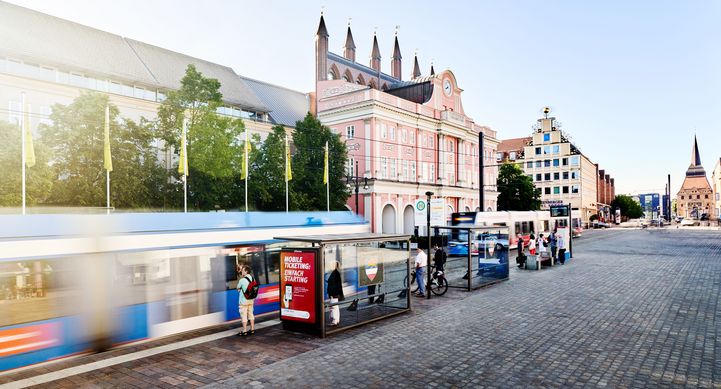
[
  {"x": 375, "y": 55},
  {"x": 416, "y": 68},
  {"x": 695, "y": 157},
  {"x": 396, "y": 60},
  {"x": 321, "y": 51},
  {"x": 349, "y": 47},
  {"x": 322, "y": 31},
  {"x": 433, "y": 71}
]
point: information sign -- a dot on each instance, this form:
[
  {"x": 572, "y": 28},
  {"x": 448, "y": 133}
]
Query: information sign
[
  {"x": 438, "y": 212},
  {"x": 559, "y": 211},
  {"x": 297, "y": 286},
  {"x": 419, "y": 209}
]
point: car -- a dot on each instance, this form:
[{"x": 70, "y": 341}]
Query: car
[{"x": 689, "y": 222}]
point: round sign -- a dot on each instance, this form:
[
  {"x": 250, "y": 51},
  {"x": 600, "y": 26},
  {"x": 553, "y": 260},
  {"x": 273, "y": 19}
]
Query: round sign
[{"x": 421, "y": 205}]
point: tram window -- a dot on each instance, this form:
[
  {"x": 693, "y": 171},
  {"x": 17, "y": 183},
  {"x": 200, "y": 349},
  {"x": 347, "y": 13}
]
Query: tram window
[
  {"x": 517, "y": 226},
  {"x": 545, "y": 225},
  {"x": 38, "y": 290},
  {"x": 532, "y": 226}
]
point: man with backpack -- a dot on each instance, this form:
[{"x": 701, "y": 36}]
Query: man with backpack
[{"x": 247, "y": 292}]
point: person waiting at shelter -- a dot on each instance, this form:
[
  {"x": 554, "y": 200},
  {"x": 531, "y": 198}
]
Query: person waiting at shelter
[
  {"x": 420, "y": 263},
  {"x": 335, "y": 293},
  {"x": 245, "y": 304},
  {"x": 541, "y": 244},
  {"x": 552, "y": 243},
  {"x": 560, "y": 242},
  {"x": 532, "y": 245},
  {"x": 521, "y": 258}
]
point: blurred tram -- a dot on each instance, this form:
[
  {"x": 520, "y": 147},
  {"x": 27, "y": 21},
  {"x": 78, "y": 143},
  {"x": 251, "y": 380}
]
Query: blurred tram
[
  {"x": 73, "y": 284},
  {"x": 519, "y": 222}
]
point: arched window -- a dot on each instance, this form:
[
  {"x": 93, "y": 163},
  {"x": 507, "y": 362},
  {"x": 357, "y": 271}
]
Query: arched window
[
  {"x": 331, "y": 75},
  {"x": 347, "y": 76},
  {"x": 372, "y": 84},
  {"x": 384, "y": 87},
  {"x": 360, "y": 80}
]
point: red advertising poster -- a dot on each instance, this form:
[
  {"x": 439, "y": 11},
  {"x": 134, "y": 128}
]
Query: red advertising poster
[{"x": 297, "y": 286}]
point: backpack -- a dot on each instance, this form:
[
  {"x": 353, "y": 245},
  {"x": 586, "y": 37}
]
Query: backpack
[{"x": 251, "y": 291}]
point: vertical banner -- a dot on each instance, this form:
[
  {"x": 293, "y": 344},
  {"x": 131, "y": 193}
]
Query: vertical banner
[{"x": 298, "y": 285}]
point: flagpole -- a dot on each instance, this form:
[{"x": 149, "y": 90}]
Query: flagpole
[
  {"x": 286, "y": 173},
  {"x": 185, "y": 167},
  {"x": 327, "y": 177},
  {"x": 246, "y": 169},
  {"x": 107, "y": 171},
  {"x": 22, "y": 137}
]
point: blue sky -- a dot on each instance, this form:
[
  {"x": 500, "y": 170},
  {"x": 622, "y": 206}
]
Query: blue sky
[{"x": 631, "y": 81}]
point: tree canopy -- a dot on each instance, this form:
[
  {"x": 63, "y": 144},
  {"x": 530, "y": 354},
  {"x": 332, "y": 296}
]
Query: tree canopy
[
  {"x": 308, "y": 192},
  {"x": 38, "y": 179},
  {"x": 516, "y": 190},
  {"x": 630, "y": 209}
]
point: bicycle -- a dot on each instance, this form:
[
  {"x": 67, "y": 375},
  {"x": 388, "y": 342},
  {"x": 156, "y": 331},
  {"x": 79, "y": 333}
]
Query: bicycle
[{"x": 439, "y": 284}]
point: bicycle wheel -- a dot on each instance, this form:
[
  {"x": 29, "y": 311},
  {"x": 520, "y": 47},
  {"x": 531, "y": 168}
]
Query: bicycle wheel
[{"x": 439, "y": 287}]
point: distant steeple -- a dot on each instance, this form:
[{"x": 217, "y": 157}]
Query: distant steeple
[
  {"x": 695, "y": 169},
  {"x": 695, "y": 157},
  {"x": 433, "y": 72},
  {"x": 349, "y": 47},
  {"x": 321, "y": 51},
  {"x": 416, "y": 68},
  {"x": 396, "y": 60},
  {"x": 375, "y": 55}
]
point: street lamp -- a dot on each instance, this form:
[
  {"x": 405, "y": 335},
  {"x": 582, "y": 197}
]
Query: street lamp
[{"x": 356, "y": 179}]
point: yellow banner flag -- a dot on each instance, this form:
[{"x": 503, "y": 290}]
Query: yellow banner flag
[
  {"x": 183, "y": 162},
  {"x": 288, "y": 170},
  {"x": 28, "y": 138},
  {"x": 244, "y": 165},
  {"x": 325, "y": 165},
  {"x": 106, "y": 151}
]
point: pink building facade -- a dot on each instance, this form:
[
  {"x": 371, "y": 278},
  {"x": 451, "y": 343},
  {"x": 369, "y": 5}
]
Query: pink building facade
[{"x": 406, "y": 137}]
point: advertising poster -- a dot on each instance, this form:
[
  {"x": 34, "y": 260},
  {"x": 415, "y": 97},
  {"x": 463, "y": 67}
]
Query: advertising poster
[
  {"x": 370, "y": 270},
  {"x": 297, "y": 286}
]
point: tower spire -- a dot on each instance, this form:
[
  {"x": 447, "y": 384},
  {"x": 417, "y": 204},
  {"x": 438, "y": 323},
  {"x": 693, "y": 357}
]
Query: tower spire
[
  {"x": 695, "y": 157},
  {"x": 349, "y": 47},
  {"x": 375, "y": 55},
  {"x": 416, "y": 68},
  {"x": 433, "y": 71},
  {"x": 321, "y": 51},
  {"x": 396, "y": 59}
]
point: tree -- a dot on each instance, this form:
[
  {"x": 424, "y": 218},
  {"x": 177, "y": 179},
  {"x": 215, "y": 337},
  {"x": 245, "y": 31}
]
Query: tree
[
  {"x": 308, "y": 192},
  {"x": 630, "y": 209},
  {"x": 516, "y": 190},
  {"x": 76, "y": 140},
  {"x": 214, "y": 143},
  {"x": 268, "y": 188},
  {"x": 38, "y": 179}
]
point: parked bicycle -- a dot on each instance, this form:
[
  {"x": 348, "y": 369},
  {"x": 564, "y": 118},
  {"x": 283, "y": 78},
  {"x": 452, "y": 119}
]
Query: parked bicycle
[{"x": 439, "y": 284}]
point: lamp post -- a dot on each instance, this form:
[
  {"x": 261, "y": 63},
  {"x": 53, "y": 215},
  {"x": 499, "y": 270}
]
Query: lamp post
[
  {"x": 355, "y": 179},
  {"x": 428, "y": 232}
]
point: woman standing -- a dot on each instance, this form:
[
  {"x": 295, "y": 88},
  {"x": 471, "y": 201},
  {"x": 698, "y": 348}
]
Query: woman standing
[
  {"x": 532, "y": 245},
  {"x": 335, "y": 292}
]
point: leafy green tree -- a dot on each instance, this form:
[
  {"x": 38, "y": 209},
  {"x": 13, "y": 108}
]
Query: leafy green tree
[
  {"x": 38, "y": 179},
  {"x": 268, "y": 185},
  {"x": 214, "y": 143},
  {"x": 516, "y": 190},
  {"x": 308, "y": 192},
  {"x": 630, "y": 209},
  {"x": 76, "y": 140}
]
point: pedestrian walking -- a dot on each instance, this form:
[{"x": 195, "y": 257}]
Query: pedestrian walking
[
  {"x": 439, "y": 258},
  {"x": 335, "y": 293},
  {"x": 247, "y": 291},
  {"x": 521, "y": 259},
  {"x": 421, "y": 262}
]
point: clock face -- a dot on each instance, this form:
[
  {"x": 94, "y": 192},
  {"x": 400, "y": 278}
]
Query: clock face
[{"x": 447, "y": 87}]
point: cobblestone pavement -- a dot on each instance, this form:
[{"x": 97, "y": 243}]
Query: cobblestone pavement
[{"x": 635, "y": 308}]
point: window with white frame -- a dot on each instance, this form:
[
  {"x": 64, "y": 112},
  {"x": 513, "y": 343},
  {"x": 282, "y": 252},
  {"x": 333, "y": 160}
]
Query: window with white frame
[
  {"x": 393, "y": 175},
  {"x": 383, "y": 131},
  {"x": 404, "y": 135},
  {"x": 574, "y": 188},
  {"x": 384, "y": 167},
  {"x": 512, "y": 155},
  {"x": 350, "y": 166},
  {"x": 413, "y": 176},
  {"x": 413, "y": 137},
  {"x": 432, "y": 177},
  {"x": 404, "y": 175},
  {"x": 393, "y": 133},
  {"x": 430, "y": 141},
  {"x": 575, "y": 160},
  {"x": 424, "y": 176},
  {"x": 499, "y": 156},
  {"x": 425, "y": 140},
  {"x": 350, "y": 132}
]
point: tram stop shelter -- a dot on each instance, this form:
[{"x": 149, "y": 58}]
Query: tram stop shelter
[
  {"x": 485, "y": 263},
  {"x": 373, "y": 270}
]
